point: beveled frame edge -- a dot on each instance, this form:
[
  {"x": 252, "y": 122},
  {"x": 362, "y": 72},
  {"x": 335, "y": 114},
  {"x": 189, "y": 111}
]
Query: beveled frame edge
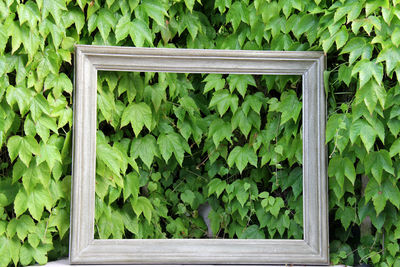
[{"x": 84, "y": 249}]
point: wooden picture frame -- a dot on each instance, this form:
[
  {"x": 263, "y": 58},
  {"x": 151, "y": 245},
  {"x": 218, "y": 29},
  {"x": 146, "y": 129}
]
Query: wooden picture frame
[{"x": 312, "y": 249}]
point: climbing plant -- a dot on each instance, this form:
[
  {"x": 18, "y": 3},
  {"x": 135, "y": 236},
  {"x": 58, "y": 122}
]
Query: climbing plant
[
  {"x": 214, "y": 137},
  {"x": 169, "y": 144}
]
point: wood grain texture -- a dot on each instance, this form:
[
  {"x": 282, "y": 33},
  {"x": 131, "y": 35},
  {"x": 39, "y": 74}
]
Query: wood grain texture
[{"x": 84, "y": 249}]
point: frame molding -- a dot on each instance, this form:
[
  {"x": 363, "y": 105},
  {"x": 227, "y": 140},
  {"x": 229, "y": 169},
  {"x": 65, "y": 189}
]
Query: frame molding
[{"x": 84, "y": 249}]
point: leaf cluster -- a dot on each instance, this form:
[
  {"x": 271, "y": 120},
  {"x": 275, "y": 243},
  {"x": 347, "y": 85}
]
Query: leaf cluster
[{"x": 183, "y": 141}]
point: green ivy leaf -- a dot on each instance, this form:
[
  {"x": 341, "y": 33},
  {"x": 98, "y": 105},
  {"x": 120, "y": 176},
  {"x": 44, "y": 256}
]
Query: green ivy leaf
[
  {"x": 346, "y": 216},
  {"x": 105, "y": 21},
  {"x": 395, "y": 36},
  {"x": 253, "y": 102},
  {"x": 393, "y": 248},
  {"x": 173, "y": 143},
  {"x": 366, "y": 69},
  {"x": 345, "y": 74},
  {"x": 222, "y": 5},
  {"x": 55, "y": 8},
  {"x": 224, "y": 100},
  {"x": 20, "y": 202},
  {"x": 241, "y": 156},
  {"x": 123, "y": 28},
  {"x": 24, "y": 147},
  {"x": 376, "y": 162},
  {"x": 391, "y": 56},
  {"x": 140, "y": 32},
  {"x": 188, "y": 197},
  {"x": 241, "y": 120},
  {"x": 106, "y": 104},
  {"x": 155, "y": 10},
  {"x": 74, "y": 16},
  {"x": 295, "y": 180},
  {"x": 368, "y": 95},
  {"x": 110, "y": 3},
  {"x": 379, "y": 202},
  {"x": 37, "y": 200},
  {"x": 143, "y": 205},
  {"x": 132, "y": 84},
  {"x": 38, "y": 106},
  {"x": 191, "y": 23},
  {"x": 335, "y": 122},
  {"x": 49, "y": 62},
  {"x": 220, "y": 130},
  {"x": 133, "y": 4},
  {"x": 14, "y": 31},
  {"x": 20, "y": 95},
  {"x": 189, "y": 104},
  {"x": 289, "y": 106},
  {"x": 56, "y": 32},
  {"x": 365, "y": 131},
  {"x": 371, "y": 6},
  {"x": 305, "y": 24},
  {"x": 50, "y": 154},
  {"x": 105, "y": 153},
  {"x": 31, "y": 40},
  {"x": 145, "y": 148},
  {"x": 156, "y": 93},
  {"x": 349, "y": 170},
  {"x": 253, "y": 232},
  {"x": 139, "y": 115},
  {"x": 28, "y": 253},
  {"x": 36, "y": 174},
  {"x": 59, "y": 82},
  {"x": 4, "y": 38},
  {"x": 131, "y": 186},
  {"x": 394, "y": 126},
  {"x": 33, "y": 240},
  {"x": 352, "y": 9},
  {"x": 23, "y": 226},
  {"x": 60, "y": 218},
  {"x": 3, "y": 226},
  {"x": 215, "y": 221},
  {"x": 213, "y": 82},
  {"x": 189, "y": 4},
  {"x": 28, "y": 12},
  {"x": 10, "y": 250},
  {"x": 216, "y": 186},
  {"x": 356, "y": 47},
  {"x": 341, "y": 37},
  {"x": 336, "y": 170},
  {"x": 276, "y": 206},
  {"x": 242, "y": 196},
  {"x": 236, "y": 14},
  {"x": 240, "y": 83},
  {"x": 395, "y": 148},
  {"x": 391, "y": 193}
]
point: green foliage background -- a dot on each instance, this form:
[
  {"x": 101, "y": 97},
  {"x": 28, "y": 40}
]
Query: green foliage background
[
  {"x": 172, "y": 142},
  {"x": 360, "y": 38}
]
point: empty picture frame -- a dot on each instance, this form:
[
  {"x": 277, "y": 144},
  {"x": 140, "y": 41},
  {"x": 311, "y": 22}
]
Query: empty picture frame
[{"x": 84, "y": 249}]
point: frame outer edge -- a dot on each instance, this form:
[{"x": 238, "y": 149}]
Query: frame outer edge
[
  {"x": 104, "y": 50},
  {"x": 84, "y": 147},
  {"x": 322, "y": 65},
  {"x": 315, "y": 177},
  {"x": 73, "y": 250},
  {"x": 82, "y": 246}
]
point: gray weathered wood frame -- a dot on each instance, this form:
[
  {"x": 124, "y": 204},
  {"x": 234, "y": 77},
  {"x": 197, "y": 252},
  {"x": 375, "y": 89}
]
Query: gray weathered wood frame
[{"x": 84, "y": 249}]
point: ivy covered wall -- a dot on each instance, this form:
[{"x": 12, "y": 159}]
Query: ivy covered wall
[{"x": 232, "y": 141}]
